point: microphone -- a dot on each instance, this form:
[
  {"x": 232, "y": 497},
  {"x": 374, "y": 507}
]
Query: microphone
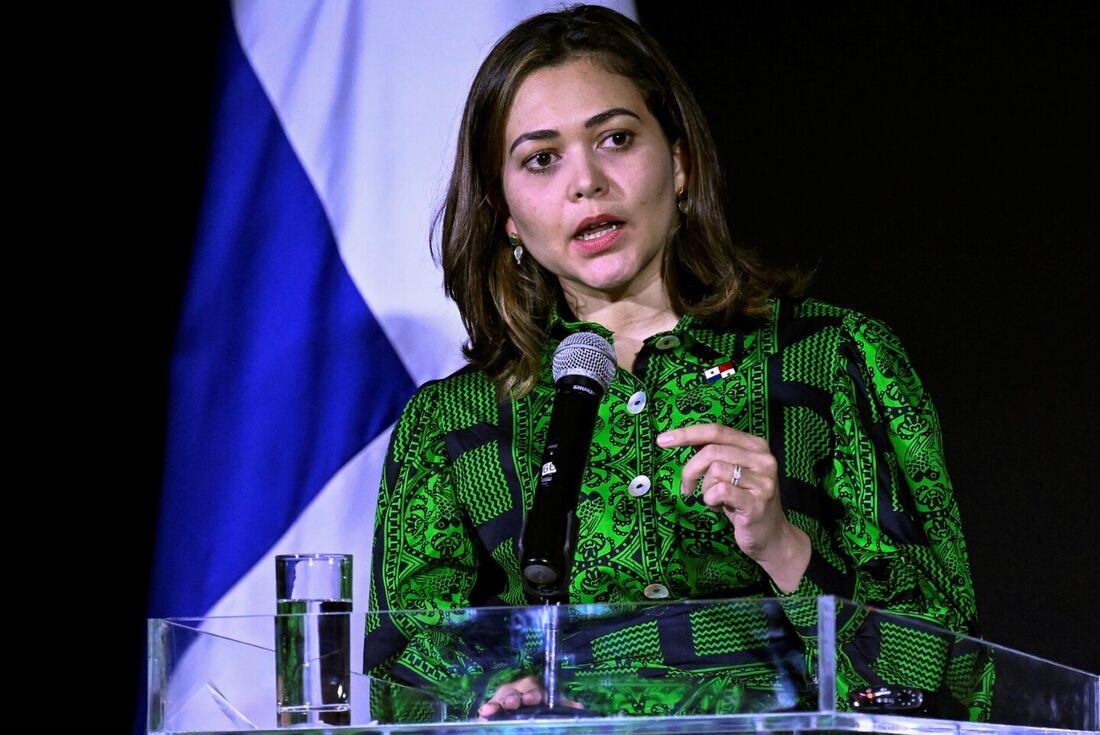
[{"x": 583, "y": 367}]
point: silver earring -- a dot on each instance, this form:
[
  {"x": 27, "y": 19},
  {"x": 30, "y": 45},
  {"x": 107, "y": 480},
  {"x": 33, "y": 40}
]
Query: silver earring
[
  {"x": 681, "y": 200},
  {"x": 517, "y": 250}
]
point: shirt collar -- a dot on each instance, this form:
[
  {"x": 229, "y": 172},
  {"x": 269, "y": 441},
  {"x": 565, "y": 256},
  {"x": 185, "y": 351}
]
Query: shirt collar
[
  {"x": 739, "y": 340},
  {"x": 563, "y": 322}
]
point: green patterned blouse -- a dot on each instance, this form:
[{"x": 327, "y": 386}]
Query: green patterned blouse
[{"x": 861, "y": 471}]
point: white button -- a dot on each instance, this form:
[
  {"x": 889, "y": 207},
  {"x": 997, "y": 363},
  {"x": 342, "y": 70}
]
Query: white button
[
  {"x": 639, "y": 486},
  {"x": 667, "y": 342},
  {"x": 656, "y": 591},
  {"x": 636, "y": 402}
]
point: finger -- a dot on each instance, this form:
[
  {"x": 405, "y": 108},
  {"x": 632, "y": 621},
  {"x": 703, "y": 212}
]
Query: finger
[
  {"x": 511, "y": 696},
  {"x": 504, "y": 698},
  {"x": 488, "y": 709},
  {"x": 699, "y": 434},
  {"x": 734, "y": 474},
  {"x": 725, "y": 496},
  {"x": 718, "y": 459}
]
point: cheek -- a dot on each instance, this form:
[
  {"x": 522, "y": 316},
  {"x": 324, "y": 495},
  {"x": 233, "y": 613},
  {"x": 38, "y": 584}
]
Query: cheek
[
  {"x": 530, "y": 212},
  {"x": 656, "y": 180}
]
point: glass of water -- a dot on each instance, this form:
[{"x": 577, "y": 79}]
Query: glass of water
[{"x": 313, "y": 639}]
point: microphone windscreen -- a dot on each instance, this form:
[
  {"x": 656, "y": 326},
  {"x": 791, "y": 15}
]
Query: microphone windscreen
[{"x": 585, "y": 354}]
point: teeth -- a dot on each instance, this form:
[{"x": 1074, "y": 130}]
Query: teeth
[{"x": 603, "y": 229}]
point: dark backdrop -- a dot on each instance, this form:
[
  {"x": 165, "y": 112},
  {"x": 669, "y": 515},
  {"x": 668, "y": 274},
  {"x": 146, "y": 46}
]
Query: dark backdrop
[{"x": 936, "y": 164}]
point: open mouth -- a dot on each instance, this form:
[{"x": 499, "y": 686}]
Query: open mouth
[{"x": 597, "y": 230}]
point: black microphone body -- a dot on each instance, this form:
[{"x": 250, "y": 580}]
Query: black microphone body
[{"x": 584, "y": 366}]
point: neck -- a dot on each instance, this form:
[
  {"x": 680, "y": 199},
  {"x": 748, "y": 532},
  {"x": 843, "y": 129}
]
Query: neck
[
  {"x": 637, "y": 316},
  {"x": 631, "y": 319}
]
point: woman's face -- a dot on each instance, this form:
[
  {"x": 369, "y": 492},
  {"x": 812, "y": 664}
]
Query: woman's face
[{"x": 590, "y": 180}]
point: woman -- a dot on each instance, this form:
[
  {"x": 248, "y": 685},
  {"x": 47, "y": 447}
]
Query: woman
[{"x": 751, "y": 443}]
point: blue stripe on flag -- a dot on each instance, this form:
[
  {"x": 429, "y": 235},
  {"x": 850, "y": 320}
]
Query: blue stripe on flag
[{"x": 281, "y": 374}]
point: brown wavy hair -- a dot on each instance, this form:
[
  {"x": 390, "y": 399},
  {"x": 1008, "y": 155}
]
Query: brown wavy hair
[{"x": 506, "y": 307}]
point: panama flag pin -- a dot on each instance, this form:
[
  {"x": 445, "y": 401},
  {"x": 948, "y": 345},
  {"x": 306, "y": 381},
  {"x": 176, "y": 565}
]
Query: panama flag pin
[{"x": 718, "y": 372}]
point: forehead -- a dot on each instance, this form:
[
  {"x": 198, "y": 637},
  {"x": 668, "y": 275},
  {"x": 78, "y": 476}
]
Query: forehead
[{"x": 558, "y": 96}]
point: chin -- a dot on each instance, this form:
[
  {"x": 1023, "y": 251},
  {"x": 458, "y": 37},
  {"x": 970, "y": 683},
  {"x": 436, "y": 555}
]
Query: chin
[
  {"x": 614, "y": 288},
  {"x": 621, "y": 279},
  {"x": 605, "y": 280}
]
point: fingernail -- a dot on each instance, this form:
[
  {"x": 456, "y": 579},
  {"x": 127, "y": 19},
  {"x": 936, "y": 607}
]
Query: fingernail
[{"x": 664, "y": 439}]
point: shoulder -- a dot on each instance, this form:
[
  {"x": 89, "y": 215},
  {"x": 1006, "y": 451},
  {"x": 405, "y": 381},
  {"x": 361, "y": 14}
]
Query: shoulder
[
  {"x": 866, "y": 353},
  {"x": 463, "y": 398},
  {"x": 802, "y": 318},
  {"x": 788, "y": 311},
  {"x": 837, "y": 344}
]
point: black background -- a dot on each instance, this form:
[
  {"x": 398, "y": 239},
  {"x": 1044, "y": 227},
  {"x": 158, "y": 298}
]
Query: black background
[{"x": 935, "y": 162}]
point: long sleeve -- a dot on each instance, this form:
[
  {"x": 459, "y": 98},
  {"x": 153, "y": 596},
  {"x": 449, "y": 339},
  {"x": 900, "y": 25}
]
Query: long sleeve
[
  {"x": 890, "y": 473},
  {"x": 429, "y": 564},
  {"x": 896, "y": 544},
  {"x": 423, "y": 558}
]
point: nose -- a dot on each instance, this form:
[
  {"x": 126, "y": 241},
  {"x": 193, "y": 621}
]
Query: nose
[{"x": 588, "y": 177}]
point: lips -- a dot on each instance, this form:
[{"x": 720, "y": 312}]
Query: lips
[
  {"x": 597, "y": 234},
  {"x": 591, "y": 228}
]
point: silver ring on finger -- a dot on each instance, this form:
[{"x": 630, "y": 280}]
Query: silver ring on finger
[{"x": 736, "y": 479}]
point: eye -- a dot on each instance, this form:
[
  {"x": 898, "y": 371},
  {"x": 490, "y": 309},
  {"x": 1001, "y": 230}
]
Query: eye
[
  {"x": 540, "y": 162},
  {"x": 617, "y": 139}
]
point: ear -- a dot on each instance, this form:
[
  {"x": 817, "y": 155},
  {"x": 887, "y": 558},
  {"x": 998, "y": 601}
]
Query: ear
[
  {"x": 679, "y": 166},
  {"x": 510, "y": 226}
]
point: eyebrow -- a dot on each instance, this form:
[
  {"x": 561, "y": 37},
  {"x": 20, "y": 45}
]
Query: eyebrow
[{"x": 597, "y": 119}]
